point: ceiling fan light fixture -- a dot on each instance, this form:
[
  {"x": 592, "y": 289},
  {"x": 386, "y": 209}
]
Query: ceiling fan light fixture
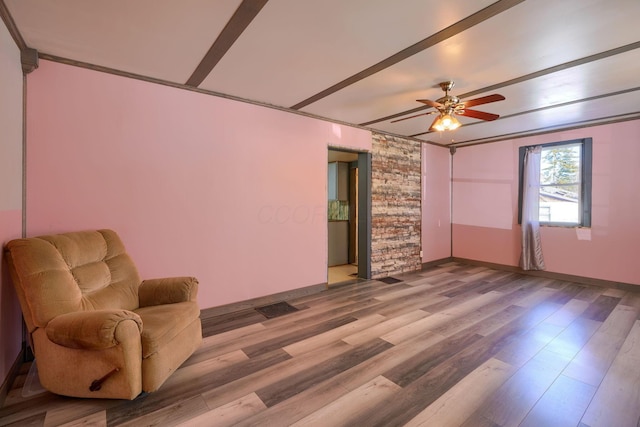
[
  {"x": 449, "y": 106},
  {"x": 446, "y": 121}
]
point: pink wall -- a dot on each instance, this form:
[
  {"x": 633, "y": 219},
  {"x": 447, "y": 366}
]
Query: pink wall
[
  {"x": 485, "y": 197},
  {"x": 436, "y": 203},
  {"x": 10, "y": 193},
  {"x": 230, "y": 192}
]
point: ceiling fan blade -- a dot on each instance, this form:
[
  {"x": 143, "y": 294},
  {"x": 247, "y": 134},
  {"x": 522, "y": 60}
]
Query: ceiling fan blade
[
  {"x": 483, "y": 100},
  {"x": 430, "y": 103},
  {"x": 411, "y": 117},
  {"x": 479, "y": 115}
]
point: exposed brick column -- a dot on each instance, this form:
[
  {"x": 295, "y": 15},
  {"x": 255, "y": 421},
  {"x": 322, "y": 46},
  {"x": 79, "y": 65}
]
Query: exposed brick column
[{"x": 396, "y": 214}]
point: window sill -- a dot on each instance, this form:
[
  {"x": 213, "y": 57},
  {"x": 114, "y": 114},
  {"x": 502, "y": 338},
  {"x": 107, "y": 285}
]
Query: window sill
[{"x": 561, "y": 225}]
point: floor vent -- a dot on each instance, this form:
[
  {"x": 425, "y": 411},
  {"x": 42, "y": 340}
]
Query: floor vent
[
  {"x": 389, "y": 280},
  {"x": 276, "y": 310}
]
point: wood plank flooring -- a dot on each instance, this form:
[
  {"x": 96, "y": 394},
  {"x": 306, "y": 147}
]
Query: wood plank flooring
[{"x": 454, "y": 345}]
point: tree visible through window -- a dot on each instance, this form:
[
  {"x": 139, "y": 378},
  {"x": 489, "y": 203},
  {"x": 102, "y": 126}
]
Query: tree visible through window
[
  {"x": 565, "y": 183},
  {"x": 560, "y": 184}
]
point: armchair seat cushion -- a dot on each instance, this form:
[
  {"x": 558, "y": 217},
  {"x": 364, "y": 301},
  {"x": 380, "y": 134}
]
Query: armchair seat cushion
[{"x": 162, "y": 323}]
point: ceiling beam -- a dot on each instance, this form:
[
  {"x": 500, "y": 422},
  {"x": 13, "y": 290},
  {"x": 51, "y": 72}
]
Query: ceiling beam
[
  {"x": 457, "y": 28},
  {"x": 11, "y": 26},
  {"x": 582, "y": 124},
  {"x": 581, "y": 61},
  {"x": 240, "y": 20},
  {"x": 548, "y": 107}
]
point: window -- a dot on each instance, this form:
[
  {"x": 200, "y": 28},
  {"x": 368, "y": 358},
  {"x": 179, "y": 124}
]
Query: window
[{"x": 565, "y": 183}]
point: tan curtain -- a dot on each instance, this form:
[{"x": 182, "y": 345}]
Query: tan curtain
[{"x": 531, "y": 258}]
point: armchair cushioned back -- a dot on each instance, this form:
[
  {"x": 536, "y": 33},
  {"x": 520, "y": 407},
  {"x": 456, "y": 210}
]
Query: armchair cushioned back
[
  {"x": 87, "y": 270},
  {"x": 90, "y": 317}
]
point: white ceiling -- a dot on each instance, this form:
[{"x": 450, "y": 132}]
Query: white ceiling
[{"x": 560, "y": 64}]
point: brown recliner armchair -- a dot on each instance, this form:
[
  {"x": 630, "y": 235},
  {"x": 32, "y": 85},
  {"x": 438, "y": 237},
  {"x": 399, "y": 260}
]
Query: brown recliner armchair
[{"x": 95, "y": 328}]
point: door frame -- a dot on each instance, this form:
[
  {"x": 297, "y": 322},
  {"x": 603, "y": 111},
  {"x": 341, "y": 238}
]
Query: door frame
[
  {"x": 364, "y": 215},
  {"x": 364, "y": 211}
]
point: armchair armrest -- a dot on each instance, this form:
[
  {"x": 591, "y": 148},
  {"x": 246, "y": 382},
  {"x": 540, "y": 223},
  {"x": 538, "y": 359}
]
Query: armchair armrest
[
  {"x": 168, "y": 290},
  {"x": 92, "y": 330}
]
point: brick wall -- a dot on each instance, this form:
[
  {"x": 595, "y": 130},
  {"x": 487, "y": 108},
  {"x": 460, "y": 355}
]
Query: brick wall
[{"x": 396, "y": 213}]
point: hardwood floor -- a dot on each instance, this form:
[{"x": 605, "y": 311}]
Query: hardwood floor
[{"x": 455, "y": 345}]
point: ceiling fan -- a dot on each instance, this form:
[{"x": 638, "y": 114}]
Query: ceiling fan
[{"x": 449, "y": 106}]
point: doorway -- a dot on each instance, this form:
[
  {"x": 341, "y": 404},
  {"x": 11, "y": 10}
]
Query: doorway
[{"x": 348, "y": 216}]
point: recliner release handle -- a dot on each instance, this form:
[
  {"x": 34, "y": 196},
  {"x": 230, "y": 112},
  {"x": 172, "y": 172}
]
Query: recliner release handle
[{"x": 97, "y": 384}]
